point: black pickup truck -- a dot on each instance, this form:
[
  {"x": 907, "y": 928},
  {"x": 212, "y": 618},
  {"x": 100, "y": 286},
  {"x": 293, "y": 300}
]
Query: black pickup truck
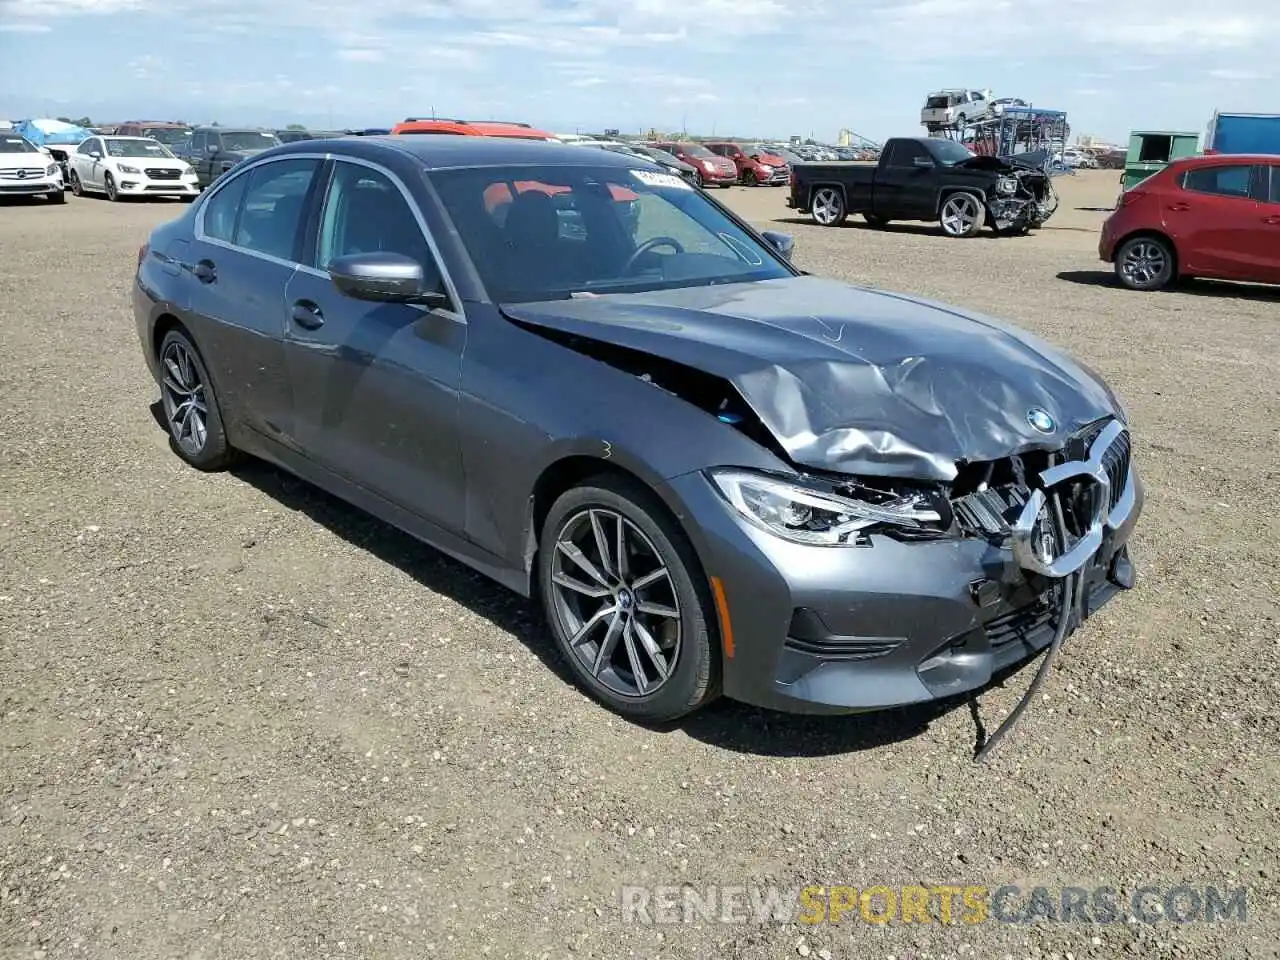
[{"x": 931, "y": 179}]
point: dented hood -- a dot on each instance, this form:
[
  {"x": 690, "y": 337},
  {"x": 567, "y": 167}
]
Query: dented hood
[{"x": 850, "y": 379}]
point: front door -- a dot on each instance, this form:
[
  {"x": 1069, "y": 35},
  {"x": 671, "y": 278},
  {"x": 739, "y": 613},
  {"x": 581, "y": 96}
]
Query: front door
[
  {"x": 376, "y": 385},
  {"x": 1214, "y": 221},
  {"x": 903, "y": 190}
]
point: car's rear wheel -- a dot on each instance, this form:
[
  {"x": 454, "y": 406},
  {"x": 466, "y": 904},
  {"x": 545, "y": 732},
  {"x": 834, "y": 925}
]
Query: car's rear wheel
[
  {"x": 1145, "y": 263},
  {"x": 827, "y": 207},
  {"x": 191, "y": 411},
  {"x": 963, "y": 214},
  {"x": 616, "y": 576},
  {"x": 109, "y": 182}
]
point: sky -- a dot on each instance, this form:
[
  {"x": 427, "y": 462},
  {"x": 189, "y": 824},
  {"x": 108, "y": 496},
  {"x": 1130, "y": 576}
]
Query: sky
[{"x": 756, "y": 68}]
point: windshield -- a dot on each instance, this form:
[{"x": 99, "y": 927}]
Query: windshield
[
  {"x": 694, "y": 149},
  {"x": 237, "y": 140},
  {"x": 170, "y": 136},
  {"x": 948, "y": 152},
  {"x": 653, "y": 153},
  {"x": 552, "y": 232},
  {"x": 137, "y": 148},
  {"x": 12, "y": 144}
]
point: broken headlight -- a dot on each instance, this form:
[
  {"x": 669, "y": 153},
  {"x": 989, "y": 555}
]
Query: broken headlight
[
  {"x": 1007, "y": 185},
  {"x": 809, "y": 515}
]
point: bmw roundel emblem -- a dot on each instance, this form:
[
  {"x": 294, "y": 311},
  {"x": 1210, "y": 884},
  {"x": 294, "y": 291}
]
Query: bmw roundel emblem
[{"x": 1041, "y": 420}]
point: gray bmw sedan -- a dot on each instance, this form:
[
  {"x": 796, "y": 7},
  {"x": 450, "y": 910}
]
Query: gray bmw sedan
[{"x": 585, "y": 378}]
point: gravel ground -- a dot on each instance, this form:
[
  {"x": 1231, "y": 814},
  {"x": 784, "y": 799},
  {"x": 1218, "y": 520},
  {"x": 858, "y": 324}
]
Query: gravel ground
[{"x": 239, "y": 719}]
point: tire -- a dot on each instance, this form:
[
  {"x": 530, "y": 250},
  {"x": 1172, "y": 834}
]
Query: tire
[
  {"x": 877, "y": 222},
  {"x": 76, "y": 186},
  {"x": 827, "y": 208},
  {"x": 749, "y": 179},
  {"x": 962, "y": 214},
  {"x": 188, "y": 197},
  {"x": 698, "y": 181},
  {"x": 59, "y": 197},
  {"x": 109, "y": 182},
  {"x": 678, "y": 631},
  {"x": 202, "y": 443},
  {"x": 1146, "y": 263}
]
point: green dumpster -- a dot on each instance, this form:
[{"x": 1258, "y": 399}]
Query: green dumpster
[{"x": 1150, "y": 151}]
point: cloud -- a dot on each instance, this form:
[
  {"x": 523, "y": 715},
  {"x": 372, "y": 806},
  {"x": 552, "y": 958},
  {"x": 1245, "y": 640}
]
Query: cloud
[
  {"x": 361, "y": 55},
  {"x": 25, "y": 28}
]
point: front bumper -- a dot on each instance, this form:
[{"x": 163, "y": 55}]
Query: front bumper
[
  {"x": 779, "y": 176},
  {"x": 12, "y": 186},
  {"x": 136, "y": 185},
  {"x": 850, "y": 629},
  {"x": 718, "y": 177}
]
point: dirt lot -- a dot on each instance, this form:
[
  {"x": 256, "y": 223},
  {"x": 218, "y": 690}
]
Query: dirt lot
[{"x": 240, "y": 720}]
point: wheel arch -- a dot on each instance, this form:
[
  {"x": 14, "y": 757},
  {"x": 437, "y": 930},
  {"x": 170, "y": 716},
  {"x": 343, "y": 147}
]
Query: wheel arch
[
  {"x": 951, "y": 191},
  {"x": 1151, "y": 233},
  {"x": 835, "y": 184}
]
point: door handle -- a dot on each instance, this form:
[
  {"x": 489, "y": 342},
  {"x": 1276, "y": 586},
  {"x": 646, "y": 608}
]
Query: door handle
[
  {"x": 1179, "y": 206},
  {"x": 307, "y": 314},
  {"x": 205, "y": 271},
  {"x": 1274, "y": 221}
]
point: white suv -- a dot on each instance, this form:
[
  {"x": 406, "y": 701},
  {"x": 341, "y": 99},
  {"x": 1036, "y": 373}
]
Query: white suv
[
  {"x": 954, "y": 108},
  {"x": 26, "y": 170}
]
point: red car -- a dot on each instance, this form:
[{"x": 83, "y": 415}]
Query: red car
[
  {"x": 712, "y": 170},
  {"x": 755, "y": 165},
  {"x": 1216, "y": 217}
]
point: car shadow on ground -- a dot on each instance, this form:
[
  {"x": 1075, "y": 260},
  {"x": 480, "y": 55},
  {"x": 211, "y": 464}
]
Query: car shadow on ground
[
  {"x": 1197, "y": 288},
  {"x": 726, "y": 724},
  {"x": 913, "y": 228}
]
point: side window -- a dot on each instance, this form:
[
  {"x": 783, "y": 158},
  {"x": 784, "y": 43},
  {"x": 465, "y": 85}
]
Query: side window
[
  {"x": 1224, "y": 181},
  {"x": 904, "y": 152},
  {"x": 365, "y": 212},
  {"x": 223, "y": 208},
  {"x": 198, "y": 141},
  {"x": 1271, "y": 172},
  {"x": 274, "y": 201},
  {"x": 86, "y": 148}
]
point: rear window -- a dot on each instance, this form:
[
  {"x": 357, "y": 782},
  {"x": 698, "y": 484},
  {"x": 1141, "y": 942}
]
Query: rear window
[
  {"x": 937, "y": 103},
  {"x": 1224, "y": 181}
]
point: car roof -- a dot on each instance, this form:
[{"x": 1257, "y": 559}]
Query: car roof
[
  {"x": 1213, "y": 159},
  {"x": 444, "y": 151}
]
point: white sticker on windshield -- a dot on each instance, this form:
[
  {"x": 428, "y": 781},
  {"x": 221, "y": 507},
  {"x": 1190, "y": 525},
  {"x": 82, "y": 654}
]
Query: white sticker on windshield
[{"x": 652, "y": 178}]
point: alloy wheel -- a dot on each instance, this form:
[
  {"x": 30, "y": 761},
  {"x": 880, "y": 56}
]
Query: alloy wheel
[
  {"x": 961, "y": 214},
  {"x": 76, "y": 188},
  {"x": 615, "y": 601},
  {"x": 1144, "y": 262},
  {"x": 184, "y": 399},
  {"x": 110, "y": 184},
  {"x": 828, "y": 206}
]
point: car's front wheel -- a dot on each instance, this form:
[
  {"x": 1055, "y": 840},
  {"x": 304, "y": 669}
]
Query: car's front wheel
[
  {"x": 1145, "y": 263},
  {"x": 616, "y": 577},
  {"x": 76, "y": 187},
  {"x": 963, "y": 214},
  {"x": 109, "y": 182},
  {"x": 191, "y": 411}
]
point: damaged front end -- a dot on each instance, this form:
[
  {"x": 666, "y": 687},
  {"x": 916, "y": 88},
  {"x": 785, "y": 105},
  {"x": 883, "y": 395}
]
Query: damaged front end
[{"x": 1023, "y": 199}]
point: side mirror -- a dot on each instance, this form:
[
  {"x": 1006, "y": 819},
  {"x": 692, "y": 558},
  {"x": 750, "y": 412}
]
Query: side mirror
[
  {"x": 783, "y": 243},
  {"x": 212, "y": 148},
  {"x": 384, "y": 278},
  {"x": 922, "y": 162},
  {"x": 96, "y": 154}
]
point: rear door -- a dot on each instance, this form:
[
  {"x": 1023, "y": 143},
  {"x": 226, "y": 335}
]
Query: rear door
[
  {"x": 1267, "y": 190},
  {"x": 377, "y": 383},
  {"x": 248, "y": 237},
  {"x": 1214, "y": 221}
]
